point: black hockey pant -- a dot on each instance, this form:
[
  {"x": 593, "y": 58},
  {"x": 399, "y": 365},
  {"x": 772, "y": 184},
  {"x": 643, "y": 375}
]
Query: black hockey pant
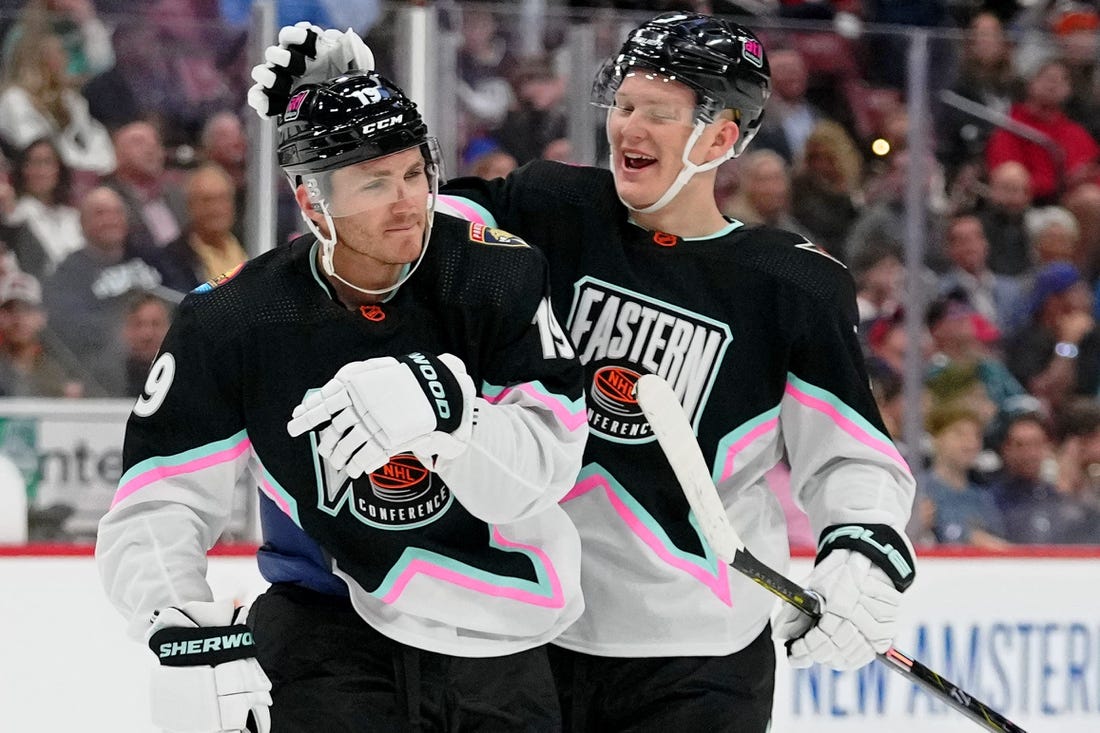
[
  {"x": 330, "y": 671},
  {"x": 731, "y": 694}
]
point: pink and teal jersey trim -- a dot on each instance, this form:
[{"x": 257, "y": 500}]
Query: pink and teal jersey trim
[
  {"x": 846, "y": 418},
  {"x": 465, "y": 208},
  {"x": 181, "y": 465},
  {"x": 570, "y": 413},
  {"x": 161, "y": 468},
  {"x": 731, "y": 445},
  {"x": 545, "y": 591},
  {"x": 708, "y": 569}
]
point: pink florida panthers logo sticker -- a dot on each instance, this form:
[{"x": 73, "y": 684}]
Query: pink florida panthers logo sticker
[
  {"x": 753, "y": 52},
  {"x": 294, "y": 105}
]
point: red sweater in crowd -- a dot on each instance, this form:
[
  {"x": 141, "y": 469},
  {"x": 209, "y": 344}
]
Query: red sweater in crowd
[{"x": 1074, "y": 140}]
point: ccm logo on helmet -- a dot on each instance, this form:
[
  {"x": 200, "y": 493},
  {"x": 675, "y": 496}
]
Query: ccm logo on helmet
[
  {"x": 432, "y": 384},
  {"x": 382, "y": 124}
]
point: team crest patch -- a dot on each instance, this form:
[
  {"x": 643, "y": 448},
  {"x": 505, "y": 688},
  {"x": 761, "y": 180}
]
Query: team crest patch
[
  {"x": 221, "y": 279},
  {"x": 294, "y": 106},
  {"x": 753, "y": 52},
  {"x": 492, "y": 235}
]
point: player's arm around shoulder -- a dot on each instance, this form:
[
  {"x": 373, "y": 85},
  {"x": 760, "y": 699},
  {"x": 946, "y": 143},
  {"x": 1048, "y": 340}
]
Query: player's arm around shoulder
[{"x": 530, "y": 430}]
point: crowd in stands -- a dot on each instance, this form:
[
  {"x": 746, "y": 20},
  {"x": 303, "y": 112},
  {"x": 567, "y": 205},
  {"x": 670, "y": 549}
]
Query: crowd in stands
[{"x": 124, "y": 175}]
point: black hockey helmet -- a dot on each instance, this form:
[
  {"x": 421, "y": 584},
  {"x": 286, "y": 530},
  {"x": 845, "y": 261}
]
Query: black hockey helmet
[
  {"x": 722, "y": 62},
  {"x": 354, "y": 117}
]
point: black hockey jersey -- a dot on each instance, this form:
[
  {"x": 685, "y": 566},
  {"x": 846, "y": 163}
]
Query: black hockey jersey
[
  {"x": 474, "y": 558},
  {"x": 755, "y": 330}
]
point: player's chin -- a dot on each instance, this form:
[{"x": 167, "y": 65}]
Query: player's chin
[{"x": 635, "y": 196}]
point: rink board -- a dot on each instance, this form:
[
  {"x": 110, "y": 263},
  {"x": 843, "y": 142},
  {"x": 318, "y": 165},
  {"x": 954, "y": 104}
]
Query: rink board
[{"x": 1021, "y": 633}]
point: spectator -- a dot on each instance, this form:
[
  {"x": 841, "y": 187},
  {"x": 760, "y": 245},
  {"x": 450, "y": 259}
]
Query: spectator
[
  {"x": 484, "y": 158},
  {"x": 960, "y": 341},
  {"x": 986, "y": 76},
  {"x": 957, "y": 385},
  {"x": 996, "y": 297},
  {"x": 1057, "y": 352},
  {"x": 1043, "y": 110},
  {"x": 483, "y": 65},
  {"x": 207, "y": 248},
  {"x": 147, "y": 319},
  {"x": 791, "y": 117},
  {"x": 192, "y": 45},
  {"x": 538, "y": 118},
  {"x": 154, "y": 203},
  {"x": 1078, "y": 453},
  {"x": 1054, "y": 236},
  {"x": 223, "y": 142},
  {"x": 825, "y": 188},
  {"x": 764, "y": 192},
  {"x": 141, "y": 86},
  {"x": 84, "y": 37},
  {"x": 964, "y": 514},
  {"x": 29, "y": 364},
  {"x": 86, "y": 297},
  {"x": 1076, "y": 32},
  {"x": 39, "y": 100},
  {"x": 1033, "y": 510},
  {"x": 50, "y": 228},
  {"x": 880, "y": 280},
  {"x": 884, "y": 216},
  {"x": 1002, "y": 215},
  {"x": 888, "y": 342}
]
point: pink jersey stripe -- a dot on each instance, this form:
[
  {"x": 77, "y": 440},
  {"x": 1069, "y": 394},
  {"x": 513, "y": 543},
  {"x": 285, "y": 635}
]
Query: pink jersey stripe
[
  {"x": 465, "y": 211},
  {"x": 280, "y": 501},
  {"x": 163, "y": 472},
  {"x": 744, "y": 442},
  {"x": 718, "y": 583},
  {"x": 420, "y": 566},
  {"x": 860, "y": 435},
  {"x": 570, "y": 419}
]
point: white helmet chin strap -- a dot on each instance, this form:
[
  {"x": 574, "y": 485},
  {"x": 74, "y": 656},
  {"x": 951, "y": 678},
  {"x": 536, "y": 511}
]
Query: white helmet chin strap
[
  {"x": 688, "y": 170},
  {"x": 328, "y": 245}
]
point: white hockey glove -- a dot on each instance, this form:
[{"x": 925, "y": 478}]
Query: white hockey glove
[
  {"x": 860, "y": 574},
  {"x": 375, "y": 409},
  {"x": 209, "y": 680},
  {"x": 304, "y": 54}
]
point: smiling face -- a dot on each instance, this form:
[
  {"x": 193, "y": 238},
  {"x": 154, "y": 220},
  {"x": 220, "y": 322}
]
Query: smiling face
[{"x": 648, "y": 128}]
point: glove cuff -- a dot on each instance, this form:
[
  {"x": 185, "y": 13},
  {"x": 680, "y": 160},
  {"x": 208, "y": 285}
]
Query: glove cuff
[
  {"x": 440, "y": 387},
  {"x": 885, "y": 547},
  {"x": 180, "y": 646}
]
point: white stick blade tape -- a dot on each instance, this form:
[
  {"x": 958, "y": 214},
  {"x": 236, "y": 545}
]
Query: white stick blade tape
[{"x": 670, "y": 424}]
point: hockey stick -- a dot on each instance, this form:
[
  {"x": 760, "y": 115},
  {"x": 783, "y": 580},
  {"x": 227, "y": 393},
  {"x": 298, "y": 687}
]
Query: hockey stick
[{"x": 677, "y": 439}]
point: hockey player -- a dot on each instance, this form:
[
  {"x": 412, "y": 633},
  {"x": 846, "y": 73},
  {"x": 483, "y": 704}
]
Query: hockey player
[
  {"x": 418, "y": 569},
  {"x": 755, "y": 329}
]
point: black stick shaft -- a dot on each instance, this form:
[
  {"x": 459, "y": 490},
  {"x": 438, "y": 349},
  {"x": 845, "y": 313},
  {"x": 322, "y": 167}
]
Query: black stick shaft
[{"x": 939, "y": 687}]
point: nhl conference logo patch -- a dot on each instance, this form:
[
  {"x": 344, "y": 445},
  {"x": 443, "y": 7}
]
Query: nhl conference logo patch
[
  {"x": 619, "y": 334},
  {"x": 613, "y": 392},
  {"x": 402, "y": 494}
]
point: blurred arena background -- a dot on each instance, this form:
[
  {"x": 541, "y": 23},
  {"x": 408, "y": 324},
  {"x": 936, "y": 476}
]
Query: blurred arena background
[{"x": 945, "y": 150}]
